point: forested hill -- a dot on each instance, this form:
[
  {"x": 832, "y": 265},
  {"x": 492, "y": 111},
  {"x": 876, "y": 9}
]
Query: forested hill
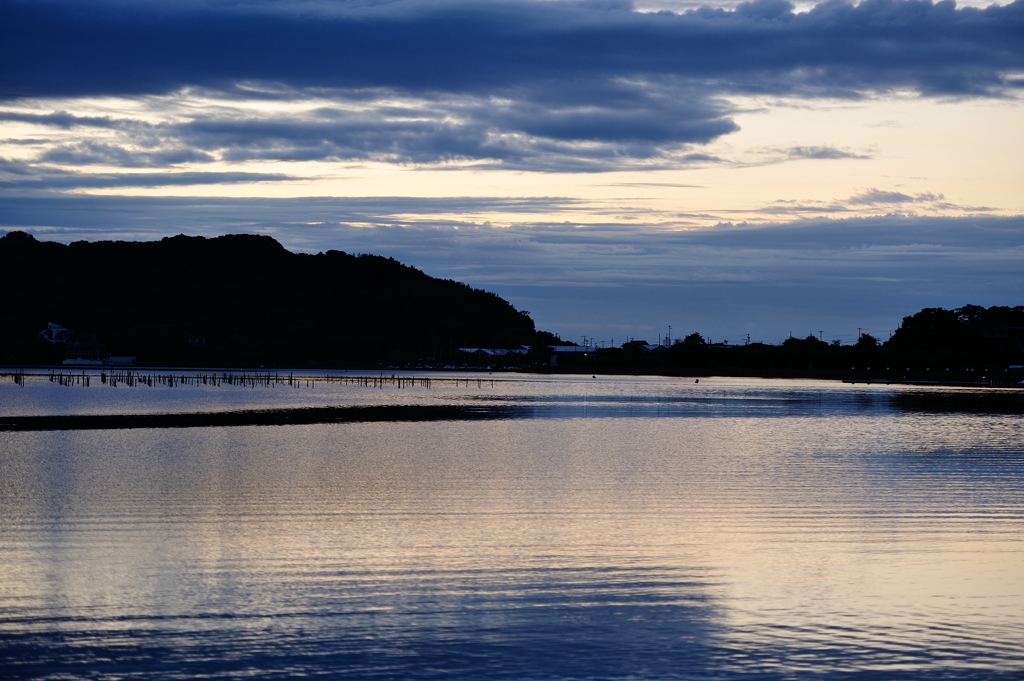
[{"x": 241, "y": 300}]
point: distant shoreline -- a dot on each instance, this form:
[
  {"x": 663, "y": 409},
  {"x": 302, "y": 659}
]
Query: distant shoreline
[{"x": 405, "y": 374}]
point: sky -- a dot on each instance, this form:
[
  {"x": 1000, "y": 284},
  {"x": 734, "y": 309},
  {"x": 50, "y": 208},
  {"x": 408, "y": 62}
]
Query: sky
[{"x": 759, "y": 168}]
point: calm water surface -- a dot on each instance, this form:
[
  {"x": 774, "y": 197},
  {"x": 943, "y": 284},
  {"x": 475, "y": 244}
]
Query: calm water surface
[{"x": 603, "y": 528}]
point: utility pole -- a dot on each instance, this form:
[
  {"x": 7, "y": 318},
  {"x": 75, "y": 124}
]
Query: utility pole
[
  {"x": 820, "y": 336},
  {"x": 669, "y": 335},
  {"x": 858, "y": 332}
]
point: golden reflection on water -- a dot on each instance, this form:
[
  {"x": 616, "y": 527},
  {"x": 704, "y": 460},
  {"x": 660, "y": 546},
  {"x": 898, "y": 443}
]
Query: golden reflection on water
[{"x": 880, "y": 541}]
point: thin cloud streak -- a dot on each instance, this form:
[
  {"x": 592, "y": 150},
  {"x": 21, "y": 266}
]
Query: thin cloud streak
[{"x": 29, "y": 178}]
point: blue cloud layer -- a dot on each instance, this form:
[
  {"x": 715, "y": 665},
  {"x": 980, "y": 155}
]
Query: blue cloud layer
[
  {"x": 24, "y": 178},
  {"x": 561, "y": 49},
  {"x": 530, "y": 85},
  {"x": 650, "y": 128}
]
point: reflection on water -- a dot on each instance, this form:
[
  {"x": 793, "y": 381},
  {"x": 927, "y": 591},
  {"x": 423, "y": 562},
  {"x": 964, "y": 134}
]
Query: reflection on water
[{"x": 615, "y": 528}]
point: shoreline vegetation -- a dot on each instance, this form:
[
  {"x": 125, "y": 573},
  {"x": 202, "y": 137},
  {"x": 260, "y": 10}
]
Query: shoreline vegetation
[
  {"x": 245, "y": 301},
  {"x": 967, "y": 346}
]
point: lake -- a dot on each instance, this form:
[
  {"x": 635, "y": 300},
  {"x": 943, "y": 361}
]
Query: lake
[{"x": 510, "y": 526}]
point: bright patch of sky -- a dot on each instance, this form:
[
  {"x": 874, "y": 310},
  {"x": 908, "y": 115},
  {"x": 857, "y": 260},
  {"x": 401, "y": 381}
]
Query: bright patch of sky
[{"x": 786, "y": 159}]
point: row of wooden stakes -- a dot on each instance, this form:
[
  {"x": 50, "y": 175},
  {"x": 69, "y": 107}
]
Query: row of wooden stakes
[{"x": 133, "y": 378}]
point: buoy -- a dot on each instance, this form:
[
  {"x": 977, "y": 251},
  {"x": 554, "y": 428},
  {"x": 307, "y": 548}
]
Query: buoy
[{"x": 697, "y": 381}]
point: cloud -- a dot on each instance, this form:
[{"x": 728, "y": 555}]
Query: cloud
[
  {"x": 381, "y": 126},
  {"x": 630, "y": 125},
  {"x": 887, "y": 123},
  {"x": 791, "y": 207},
  {"x": 58, "y": 119},
  {"x": 927, "y": 200},
  {"x": 109, "y": 217},
  {"x": 819, "y": 153},
  {"x": 559, "y": 86},
  {"x": 873, "y": 197},
  {"x": 96, "y": 153},
  {"x": 871, "y": 201},
  {"x": 655, "y": 184},
  {"x": 535, "y": 132},
  {"x": 59, "y": 48},
  {"x": 29, "y": 177}
]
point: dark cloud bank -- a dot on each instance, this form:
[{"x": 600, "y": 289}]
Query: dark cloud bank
[
  {"x": 532, "y": 85},
  {"x": 566, "y": 49}
]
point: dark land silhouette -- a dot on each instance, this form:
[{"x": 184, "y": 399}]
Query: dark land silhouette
[
  {"x": 244, "y": 300},
  {"x": 240, "y": 300},
  {"x": 970, "y": 345}
]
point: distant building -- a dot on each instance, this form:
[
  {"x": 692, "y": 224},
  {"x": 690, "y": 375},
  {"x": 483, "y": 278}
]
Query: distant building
[
  {"x": 54, "y": 333},
  {"x": 643, "y": 346},
  {"x": 572, "y": 349},
  {"x": 88, "y": 351},
  {"x": 81, "y": 351},
  {"x": 495, "y": 352},
  {"x": 489, "y": 353},
  {"x": 557, "y": 350}
]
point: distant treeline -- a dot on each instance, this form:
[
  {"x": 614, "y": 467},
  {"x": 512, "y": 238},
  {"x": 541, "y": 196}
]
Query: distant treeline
[
  {"x": 240, "y": 300},
  {"x": 970, "y": 344},
  {"x": 243, "y": 300}
]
